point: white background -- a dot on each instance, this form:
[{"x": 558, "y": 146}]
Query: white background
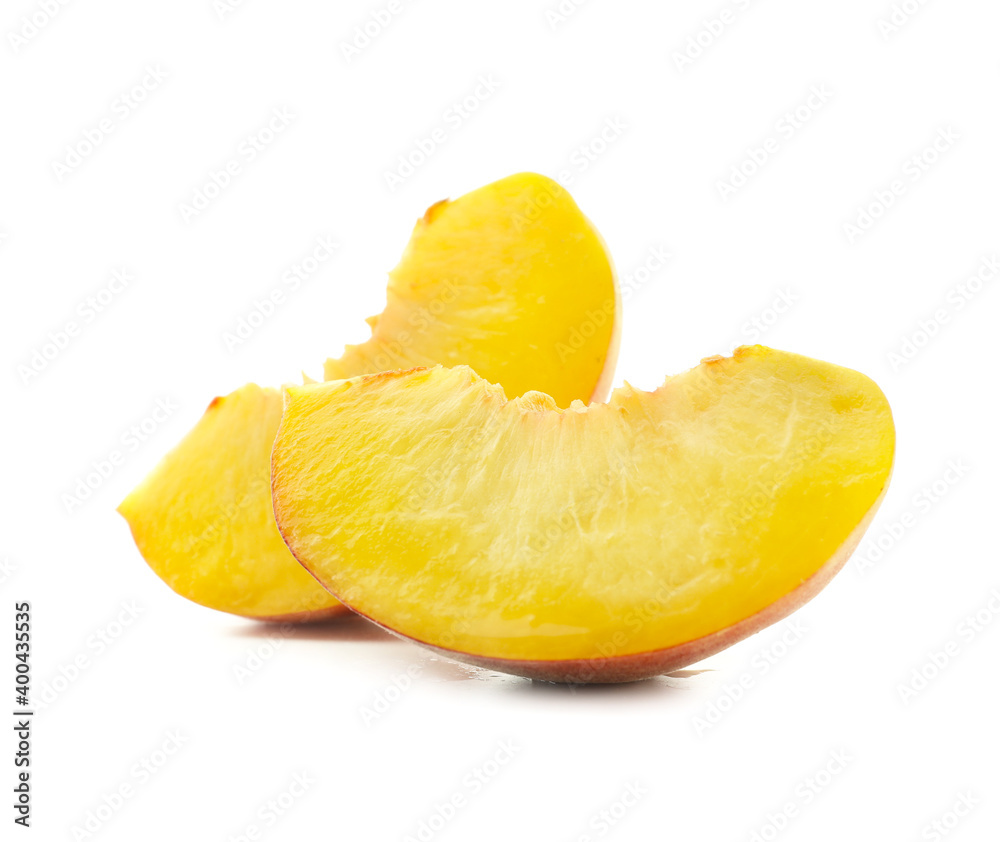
[{"x": 835, "y": 686}]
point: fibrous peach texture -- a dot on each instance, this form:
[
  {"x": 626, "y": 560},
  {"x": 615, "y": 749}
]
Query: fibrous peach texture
[
  {"x": 511, "y": 279},
  {"x": 592, "y": 544}
]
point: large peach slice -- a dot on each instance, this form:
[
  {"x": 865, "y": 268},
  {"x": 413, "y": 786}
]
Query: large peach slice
[
  {"x": 511, "y": 279},
  {"x": 592, "y": 544}
]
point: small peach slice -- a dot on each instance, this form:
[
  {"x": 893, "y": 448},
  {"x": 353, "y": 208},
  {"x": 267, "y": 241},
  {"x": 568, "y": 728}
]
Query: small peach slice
[
  {"x": 511, "y": 279},
  {"x": 594, "y": 544},
  {"x": 202, "y": 518}
]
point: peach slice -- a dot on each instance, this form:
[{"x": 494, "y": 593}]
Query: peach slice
[
  {"x": 511, "y": 279},
  {"x": 203, "y": 520},
  {"x": 593, "y": 544}
]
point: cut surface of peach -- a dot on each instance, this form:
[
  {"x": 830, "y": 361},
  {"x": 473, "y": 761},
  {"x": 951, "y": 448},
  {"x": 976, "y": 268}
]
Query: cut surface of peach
[
  {"x": 597, "y": 544},
  {"x": 511, "y": 279}
]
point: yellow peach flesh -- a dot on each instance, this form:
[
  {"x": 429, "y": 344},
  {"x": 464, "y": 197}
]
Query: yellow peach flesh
[
  {"x": 598, "y": 543},
  {"x": 511, "y": 279}
]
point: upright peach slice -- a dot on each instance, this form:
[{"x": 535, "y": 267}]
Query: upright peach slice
[
  {"x": 592, "y": 544},
  {"x": 511, "y": 279}
]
